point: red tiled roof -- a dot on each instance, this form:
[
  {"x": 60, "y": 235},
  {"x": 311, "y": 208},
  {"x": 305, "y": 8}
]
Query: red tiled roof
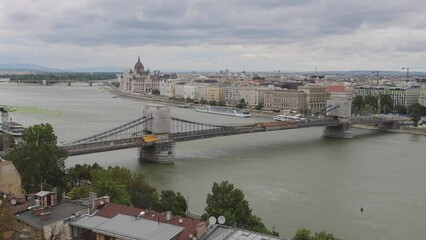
[
  {"x": 337, "y": 89},
  {"x": 190, "y": 225}
]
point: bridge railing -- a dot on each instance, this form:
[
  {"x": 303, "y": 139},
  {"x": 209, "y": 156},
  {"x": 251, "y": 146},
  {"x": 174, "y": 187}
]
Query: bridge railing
[{"x": 127, "y": 130}]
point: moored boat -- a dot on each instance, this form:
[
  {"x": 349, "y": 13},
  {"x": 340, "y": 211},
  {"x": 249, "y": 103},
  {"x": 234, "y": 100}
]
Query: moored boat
[
  {"x": 225, "y": 111},
  {"x": 289, "y": 118},
  {"x": 12, "y": 128},
  {"x": 8, "y": 126}
]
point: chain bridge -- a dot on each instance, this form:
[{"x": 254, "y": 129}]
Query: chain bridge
[{"x": 156, "y": 132}]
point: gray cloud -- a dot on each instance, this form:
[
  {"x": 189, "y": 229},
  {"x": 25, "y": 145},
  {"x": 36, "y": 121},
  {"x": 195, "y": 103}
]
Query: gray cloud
[{"x": 319, "y": 25}]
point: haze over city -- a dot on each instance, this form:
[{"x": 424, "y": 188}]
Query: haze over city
[{"x": 292, "y": 35}]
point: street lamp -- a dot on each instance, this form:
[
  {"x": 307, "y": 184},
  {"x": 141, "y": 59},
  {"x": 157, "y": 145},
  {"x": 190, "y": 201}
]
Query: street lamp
[{"x": 408, "y": 70}]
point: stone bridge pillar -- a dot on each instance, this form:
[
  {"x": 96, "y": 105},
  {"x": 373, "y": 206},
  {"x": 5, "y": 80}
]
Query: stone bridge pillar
[
  {"x": 340, "y": 131},
  {"x": 69, "y": 82},
  {"x": 162, "y": 150}
]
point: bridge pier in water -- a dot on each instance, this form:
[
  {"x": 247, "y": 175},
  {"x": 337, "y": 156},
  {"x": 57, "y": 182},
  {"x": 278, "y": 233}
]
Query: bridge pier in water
[
  {"x": 162, "y": 150},
  {"x": 339, "y": 131}
]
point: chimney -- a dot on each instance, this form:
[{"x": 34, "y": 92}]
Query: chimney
[
  {"x": 201, "y": 229},
  {"x": 168, "y": 215},
  {"x": 99, "y": 202}
]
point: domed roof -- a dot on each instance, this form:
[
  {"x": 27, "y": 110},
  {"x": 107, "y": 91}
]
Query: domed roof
[{"x": 139, "y": 66}]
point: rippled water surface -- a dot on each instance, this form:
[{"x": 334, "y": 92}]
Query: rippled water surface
[{"x": 292, "y": 179}]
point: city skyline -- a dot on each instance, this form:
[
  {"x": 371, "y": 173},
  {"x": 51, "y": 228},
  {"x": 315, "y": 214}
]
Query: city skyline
[{"x": 212, "y": 35}]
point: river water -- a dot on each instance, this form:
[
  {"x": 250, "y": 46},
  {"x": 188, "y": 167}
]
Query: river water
[{"x": 292, "y": 178}]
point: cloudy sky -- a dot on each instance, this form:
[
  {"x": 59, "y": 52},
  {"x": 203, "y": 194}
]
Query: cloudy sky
[{"x": 251, "y": 35}]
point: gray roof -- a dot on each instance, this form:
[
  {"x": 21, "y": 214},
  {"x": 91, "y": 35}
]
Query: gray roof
[
  {"x": 43, "y": 193},
  {"x": 221, "y": 232},
  {"x": 58, "y": 212},
  {"x": 129, "y": 227},
  {"x": 88, "y": 222}
]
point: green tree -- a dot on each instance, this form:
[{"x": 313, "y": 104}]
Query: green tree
[
  {"x": 305, "y": 234},
  {"x": 230, "y": 202},
  {"x": 415, "y": 112},
  {"x": 155, "y": 92},
  {"x": 324, "y": 236},
  {"x": 242, "y": 103},
  {"x": 113, "y": 182},
  {"x": 370, "y": 103},
  {"x": 213, "y": 103},
  {"x": 259, "y": 106},
  {"x": 6, "y": 140},
  {"x": 7, "y": 219},
  {"x": 302, "y": 234},
  {"x": 38, "y": 159},
  {"x": 203, "y": 101},
  {"x": 221, "y": 103},
  {"x": 172, "y": 201},
  {"x": 143, "y": 195},
  {"x": 401, "y": 109},
  {"x": 386, "y": 103},
  {"x": 357, "y": 104}
]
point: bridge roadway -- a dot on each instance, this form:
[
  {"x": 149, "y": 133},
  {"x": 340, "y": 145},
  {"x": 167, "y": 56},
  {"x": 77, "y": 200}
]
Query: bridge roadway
[{"x": 137, "y": 141}]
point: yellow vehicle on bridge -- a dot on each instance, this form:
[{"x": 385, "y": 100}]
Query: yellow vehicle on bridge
[{"x": 149, "y": 138}]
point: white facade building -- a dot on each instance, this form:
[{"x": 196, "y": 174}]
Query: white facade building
[{"x": 401, "y": 96}]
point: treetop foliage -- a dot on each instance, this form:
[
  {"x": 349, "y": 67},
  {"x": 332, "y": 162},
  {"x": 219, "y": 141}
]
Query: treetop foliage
[
  {"x": 230, "y": 202},
  {"x": 38, "y": 159}
]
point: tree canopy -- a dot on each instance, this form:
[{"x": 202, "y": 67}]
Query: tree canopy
[
  {"x": 172, "y": 201},
  {"x": 305, "y": 234},
  {"x": 38, "y": 159},
  {"x": 230, "y": 202}
]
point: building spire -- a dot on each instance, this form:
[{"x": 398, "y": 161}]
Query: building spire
[{"x": 139, "y": 58}]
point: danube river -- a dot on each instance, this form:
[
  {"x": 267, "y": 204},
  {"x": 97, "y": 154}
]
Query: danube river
[{"x": 292, "y": 179}]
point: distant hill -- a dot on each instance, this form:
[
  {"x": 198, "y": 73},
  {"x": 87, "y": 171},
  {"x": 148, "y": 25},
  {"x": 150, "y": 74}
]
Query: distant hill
[
  {"x": 39, "y": 68},
  {"x": 27, "y": 66},
  {"x": 96, "y": 69}
]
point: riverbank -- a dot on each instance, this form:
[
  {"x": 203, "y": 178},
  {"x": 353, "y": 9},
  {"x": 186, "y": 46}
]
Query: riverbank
[
  {"x": 409, "y": 130},
  {"x": 166, "y": 101}
]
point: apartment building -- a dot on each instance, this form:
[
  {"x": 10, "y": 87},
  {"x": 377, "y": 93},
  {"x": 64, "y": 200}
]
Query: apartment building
[
  {"x": 284, "y": 99},
  {"x": 401, "y": 96},
  {"x": 215, "y": 93},
  {"x": 316, "y": 96}
]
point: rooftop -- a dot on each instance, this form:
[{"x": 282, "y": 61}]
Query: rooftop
[
  {"x": 129, "y": 227},
  {"x": 111, "y": 210},
  {"x": 222, "y": 232},
  {"x": 58, "y": 212}
]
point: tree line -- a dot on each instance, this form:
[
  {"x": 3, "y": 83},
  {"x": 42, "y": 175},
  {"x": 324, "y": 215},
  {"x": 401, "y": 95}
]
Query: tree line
[
  {"x": 384, "y": 104},
  {"x": 61, "y": 76}
]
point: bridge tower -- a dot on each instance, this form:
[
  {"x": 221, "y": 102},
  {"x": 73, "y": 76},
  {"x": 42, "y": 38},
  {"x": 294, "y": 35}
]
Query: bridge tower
[
  {"x": 339, "y": 106},
  {"x": 162, "y": 150}
]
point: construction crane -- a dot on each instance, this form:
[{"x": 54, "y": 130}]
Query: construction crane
[
  {"x": 377, "y": 76},
  {"x": 408, "y": 70}
]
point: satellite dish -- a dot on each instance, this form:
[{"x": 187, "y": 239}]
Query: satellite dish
[
  {"x": 221, "y": 219},
  {"x": 191, "y": 235},
  {"x": 194, "y": 238},
  {"x": 180, "y": 220},
  {"x": 4, "y": 196},
  {"x": 212, "y": 220},
  {"x": 13, "y": 201},
  {"x": 101, "y": 202}
]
